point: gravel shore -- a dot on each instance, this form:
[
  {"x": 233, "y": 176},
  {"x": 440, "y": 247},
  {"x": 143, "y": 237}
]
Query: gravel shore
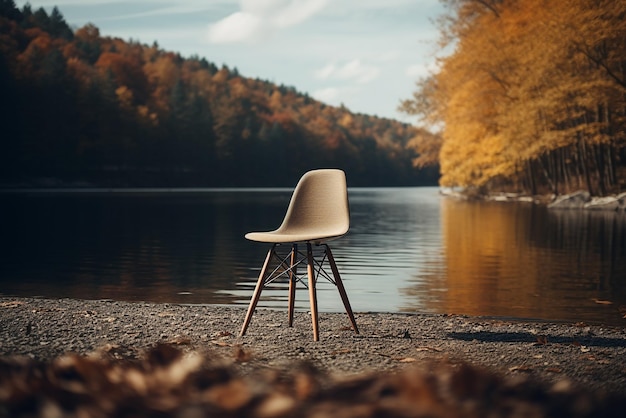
[{"x": 586, "y": 356}]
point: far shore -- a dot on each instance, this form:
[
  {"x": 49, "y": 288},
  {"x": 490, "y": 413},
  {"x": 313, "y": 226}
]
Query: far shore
[{"x": 581, "y": 199}]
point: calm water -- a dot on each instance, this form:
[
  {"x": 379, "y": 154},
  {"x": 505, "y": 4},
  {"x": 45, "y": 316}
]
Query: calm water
[{"x": 408, "y": 250}]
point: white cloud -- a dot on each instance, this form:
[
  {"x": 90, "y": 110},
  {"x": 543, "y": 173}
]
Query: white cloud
[
  {"x": 283, "y": 13},
  {"x": 298, "y": 11},
  {"x": 178, "y": 9},
  {"x": 261, "y": 7},
  {"x": 326, "y": 95},
  {"x": 358, "y": 72},
  {"x": 259, "y": 19},
  {"x": 350, "y": 71},
  {"x": 238, "y": 27},
  {"x": 325, "y": 72}
]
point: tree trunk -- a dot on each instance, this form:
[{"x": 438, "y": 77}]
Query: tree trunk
[
  {"x": 599, "y": 158},
  {"x": 531, "y": 178},
  {"x": 582, "y": 151}
]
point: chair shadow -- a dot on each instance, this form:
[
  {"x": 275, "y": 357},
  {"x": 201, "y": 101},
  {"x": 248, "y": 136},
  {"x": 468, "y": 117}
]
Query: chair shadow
[{"x": 526, "y": 337}]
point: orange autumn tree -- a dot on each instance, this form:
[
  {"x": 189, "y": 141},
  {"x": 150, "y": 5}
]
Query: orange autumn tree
[
  {"x": 84, "y": 108},
  {"x": 532, "y": 96}
]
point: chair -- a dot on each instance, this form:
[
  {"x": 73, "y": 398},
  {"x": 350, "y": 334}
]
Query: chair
[{"x": 318, "y": 212}]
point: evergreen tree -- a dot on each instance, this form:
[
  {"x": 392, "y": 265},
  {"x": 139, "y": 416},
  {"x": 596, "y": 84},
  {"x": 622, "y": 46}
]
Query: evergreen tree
[
  {"x": 58, "y": 27},
  {"x": 10, "y": 11}
]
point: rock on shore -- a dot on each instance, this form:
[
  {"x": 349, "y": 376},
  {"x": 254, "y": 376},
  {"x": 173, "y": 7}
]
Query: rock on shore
[{"x": 583, "y": 200}]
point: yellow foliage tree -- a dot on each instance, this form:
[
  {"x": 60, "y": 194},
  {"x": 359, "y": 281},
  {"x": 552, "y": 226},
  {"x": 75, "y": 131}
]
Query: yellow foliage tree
[{"x": 533, "y": 93}]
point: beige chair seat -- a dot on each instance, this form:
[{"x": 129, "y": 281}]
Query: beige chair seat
[
  {"x": 318, "y": 212},
  {"x": 280, "y": 237}
]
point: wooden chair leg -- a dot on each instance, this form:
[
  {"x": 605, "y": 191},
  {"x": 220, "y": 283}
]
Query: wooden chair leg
[
  {"x": 292, "y": 282},
  {"x": 341, "y": 288},
  {"x": 312, "y": 292},
  {"x": 257, "y": 291}
]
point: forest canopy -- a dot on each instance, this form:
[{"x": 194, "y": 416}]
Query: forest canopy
[
  {"x": 531, "y": 97},
  {"x": 80, "y": 108}
]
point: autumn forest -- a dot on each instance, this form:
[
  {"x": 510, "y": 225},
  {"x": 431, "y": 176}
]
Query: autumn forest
[
  {"x": 80, "y": 108},
  {"x": 528, "y": 96},
  {"x": 531, "y": 97}
]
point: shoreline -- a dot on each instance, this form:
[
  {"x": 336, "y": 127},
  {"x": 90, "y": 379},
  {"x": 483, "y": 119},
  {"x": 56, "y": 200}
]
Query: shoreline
[
  {"x": 585, "y": 356},
  {"x": 69, "y": 358},
  {"x": 579, "y": 200}
]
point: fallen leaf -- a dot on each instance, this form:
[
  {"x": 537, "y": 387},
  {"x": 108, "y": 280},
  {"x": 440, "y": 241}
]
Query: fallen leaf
[
  {"x": 585, "y": 349},
  {"x": 426, "y": 348},
  {"x": 554, "y": 370},
  {"x": 276, "y": 404},
  {"x": 241, "y": 355},
  {"x": 180, "y": 341},
  {"x": 11, "y": 304},
  {"x": 407, "y": 360},
  {"x": 230, "y": 396},
  {"x": 107, "y": 348},
  {"x": 541, "y": 340},
  {"x": 221, "y": 343},
  {"x": 520, "y": 369},
  {"x": 602, "y": 302}
]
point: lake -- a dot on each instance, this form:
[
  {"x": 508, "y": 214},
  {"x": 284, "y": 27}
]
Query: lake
[{"x": 408, "y": 250}]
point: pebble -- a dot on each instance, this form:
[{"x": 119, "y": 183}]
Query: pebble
[{"x": 589, "y": 356}]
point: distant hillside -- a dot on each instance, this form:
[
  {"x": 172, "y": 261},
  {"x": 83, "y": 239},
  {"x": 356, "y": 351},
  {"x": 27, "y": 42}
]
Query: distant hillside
[{"x": 81, "y": 108}]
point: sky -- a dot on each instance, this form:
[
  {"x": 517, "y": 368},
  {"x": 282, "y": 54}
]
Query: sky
[{"x": 364, "y": 54}]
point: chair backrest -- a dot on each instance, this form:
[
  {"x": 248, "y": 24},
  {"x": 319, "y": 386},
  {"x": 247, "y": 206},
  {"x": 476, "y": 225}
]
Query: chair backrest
[{"x": 319, "y": 205}]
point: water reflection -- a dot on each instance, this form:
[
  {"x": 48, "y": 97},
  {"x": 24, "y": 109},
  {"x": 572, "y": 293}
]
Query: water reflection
[
  {"x": 408, "y": 250},
  {"x": 130, "y": 246},
  {"x": 394, "y": 235},
  {"x": 521, "y": 260}
]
